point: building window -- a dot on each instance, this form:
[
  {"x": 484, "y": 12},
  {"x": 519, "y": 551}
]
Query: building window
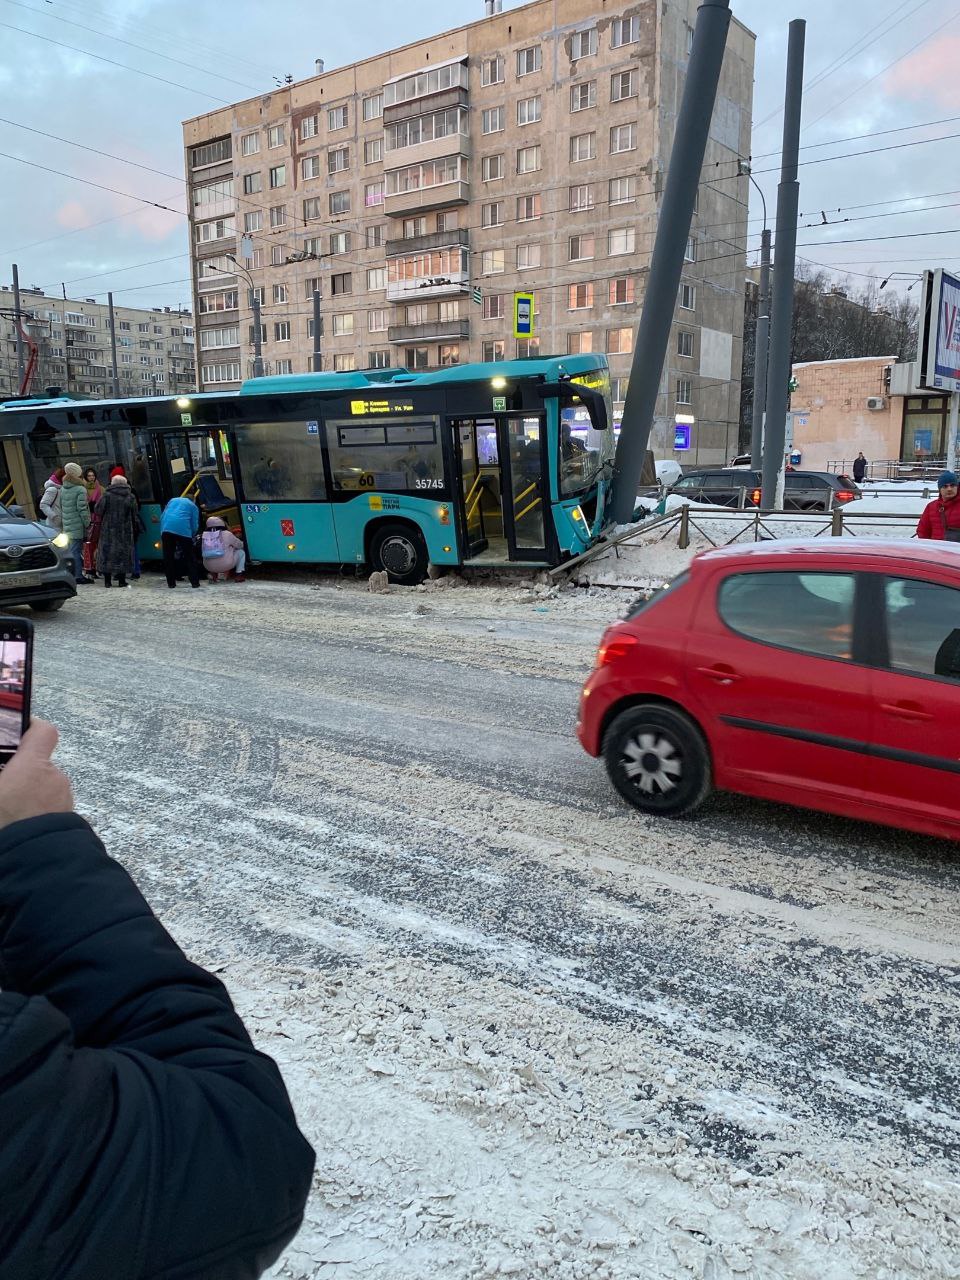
[
  {"x": 579, "y": 343},
  {"x": 583, "y": 146},
  {"x": 373, "y": 151},
  {"x": 491, "y": 215},
  {"x": 375, "y": 236},
  {"x": 450, "y": 310},
  {"x": 340, "y": 242},
  {"x": 623, "y": 137},
  {"x": 225, "y": 337},
  {"x": 583, "y": 43},
  {"x": 413, "y": 227},
  {"x": 688, "y": 297},
  {"x": 528, "y": 208},
  {"x": 685, "y": 343},
  {"x": 253, "y": 221},
  {"x": 378, "y": 320},
  {"x": 528, "y": 60},
  {"x": 341, "y": 283},
  {"x": 308, "y": 127},
  {"x": 278, "y": 215},
  {"x": 491, "y": 120},
  {"x": 211, "y": 153},
  {"x": 492, "y": 262},
  {"x": 623, "y": 190},
  {"x": 343, "y": 324},
  {"x": 376, "y": 279},
  {"x": 528, "y": 255},
  {"x": 378, "y": 359},
  {"x": 416, "y": 357},
  {"x": 281, "y": 331},
  {"x": 684, "y": 391},
  {"x": 491, "y": 71},
  {"x": 492, "y": 306},
  {"x": 581, "y": 197},
  {"x": 276, "y": 135},
  {"x": 310, "y": 167},
  {"x": 311, "y": 286},
  {"x": 528, "y": 348},
  {"x": 493, "y": 352},
  {"x": 448, "y": 220},
  {"x": 583, "y": 96},
  {"x": 622, "y": 291},
  {"x": 690, "y": 252},
  {"x": 618, "y": 390},
  {"x": 620, "y": 341},
  {"x": 449, "y": 354},
  {"x": 338, "y": 159},
  {"x": 252, "y": 183},
  {"x": 621, "y": 240},
  {"x": 313, "y": 246},
  {"x": 491, "y": 168},
  {"x": 220, "y": 372},
  {"x": 337, "y": 118},
  {"x": 623, "y": 84},
  {"x": 581, "y": 248},
  {"x": 278, "y": 176},
  {"x": 625, "y": 31},
  {"x": 373, "y": 194},
  {"x": 528, "y": 159},
  {"x": 344, "y": 363},
  {"x": 280, "y": 293},
  {"x": 216, "y": 229},
  {"x": 250, "y": 144},
  {"x": 373, "y": 107},
  {"x": 284, "y": 366},
  {"x": 339, "y": 203},
  {"x": 580, "y": 296},
  {"x": 312, "y": 209},
  {"x": 528, "y": 110},
  {"x": 416, "y": 313}
]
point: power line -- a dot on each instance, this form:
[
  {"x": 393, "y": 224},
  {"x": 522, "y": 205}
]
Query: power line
[{"x": 858, "y": 137}]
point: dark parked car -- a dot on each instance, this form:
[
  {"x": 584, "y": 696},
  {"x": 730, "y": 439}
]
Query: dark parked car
[
  {"x": 802, "y": 491},
  {"x": 35, "y": 565}
]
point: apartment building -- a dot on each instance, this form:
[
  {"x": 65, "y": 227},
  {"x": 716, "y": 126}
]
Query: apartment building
[
  {"x": 155, "y": 346},
  {"x": 420, "y": 189}
]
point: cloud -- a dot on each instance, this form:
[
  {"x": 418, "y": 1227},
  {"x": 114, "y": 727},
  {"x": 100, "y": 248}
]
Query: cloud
[
  {"x": 929, "y": 74},
  {"x": 73, "y": 215}
]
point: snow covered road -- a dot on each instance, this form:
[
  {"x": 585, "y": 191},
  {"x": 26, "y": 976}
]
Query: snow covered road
[{"x": 530, "y": 1032}]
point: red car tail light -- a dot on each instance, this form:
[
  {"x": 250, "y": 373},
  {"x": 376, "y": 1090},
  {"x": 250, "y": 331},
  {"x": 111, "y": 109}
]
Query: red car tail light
[
  {"x": 614, "y": 647},
  {"x": 844, "y": 495}
]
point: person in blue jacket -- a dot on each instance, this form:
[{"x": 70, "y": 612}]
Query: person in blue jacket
[
  {"x": 141, "y": 1134},
  {"x": 179, "y": 524}
]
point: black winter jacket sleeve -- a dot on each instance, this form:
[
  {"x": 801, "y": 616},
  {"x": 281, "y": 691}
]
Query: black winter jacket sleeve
[{"x": 141, "y": 1134}]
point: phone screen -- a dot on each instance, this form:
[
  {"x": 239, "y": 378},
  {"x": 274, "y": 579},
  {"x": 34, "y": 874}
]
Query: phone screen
[{"x": 16, "y": 653}]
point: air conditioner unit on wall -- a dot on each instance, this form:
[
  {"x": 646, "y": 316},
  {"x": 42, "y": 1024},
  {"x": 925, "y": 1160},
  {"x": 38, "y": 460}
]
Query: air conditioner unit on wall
[{"x": 876, "y": 402}]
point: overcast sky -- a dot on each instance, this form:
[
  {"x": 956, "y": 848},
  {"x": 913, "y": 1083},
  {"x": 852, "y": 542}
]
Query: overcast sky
[{"x": 876, "y": 66}]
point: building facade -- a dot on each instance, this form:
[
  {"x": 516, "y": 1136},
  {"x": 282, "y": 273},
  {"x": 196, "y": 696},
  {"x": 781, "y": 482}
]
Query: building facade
[
  {"x": 155, "y": 347},
  {"x": 420, "y": 190}
]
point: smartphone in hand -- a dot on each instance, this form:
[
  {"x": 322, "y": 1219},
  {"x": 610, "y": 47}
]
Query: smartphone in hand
[{"x": 16, "y": 671}]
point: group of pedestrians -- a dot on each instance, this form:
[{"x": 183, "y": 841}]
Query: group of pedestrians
[{"x": 104, "y": 524}]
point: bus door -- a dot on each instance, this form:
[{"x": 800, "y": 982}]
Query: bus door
[
  {"x": 502, "y": 473},
  {"x": 478, "y": 484},
  {"x": 524, "y": 484}
]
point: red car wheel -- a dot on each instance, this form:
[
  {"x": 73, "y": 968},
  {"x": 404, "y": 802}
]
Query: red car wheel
[{"x": 658, "y": 760}]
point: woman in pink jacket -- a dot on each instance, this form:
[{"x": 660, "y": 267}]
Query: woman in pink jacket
[{"x": 222, "y": 552}]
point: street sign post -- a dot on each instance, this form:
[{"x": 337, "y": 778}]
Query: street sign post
[{"x": 523, "y": 326}]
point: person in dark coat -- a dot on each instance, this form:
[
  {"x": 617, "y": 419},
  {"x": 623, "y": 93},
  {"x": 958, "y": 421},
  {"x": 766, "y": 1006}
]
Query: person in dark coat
[
  {"x": 141, "y": 1133},
  {"x": 859, "y": 468},
  {"x": 119, "y": 530}
]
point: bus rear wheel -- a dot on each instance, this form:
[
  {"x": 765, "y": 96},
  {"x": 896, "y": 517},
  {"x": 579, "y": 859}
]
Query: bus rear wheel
[{"x": 399, "y": 551}]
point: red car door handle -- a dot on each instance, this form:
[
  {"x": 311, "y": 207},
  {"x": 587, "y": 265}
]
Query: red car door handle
[
  {"x": 720, "y": 673},
  {"x": 906, "y": 710}
]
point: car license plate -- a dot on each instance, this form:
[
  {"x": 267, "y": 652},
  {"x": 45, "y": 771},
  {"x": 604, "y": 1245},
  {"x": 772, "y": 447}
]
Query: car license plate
[{"x": 17, "y": 581}]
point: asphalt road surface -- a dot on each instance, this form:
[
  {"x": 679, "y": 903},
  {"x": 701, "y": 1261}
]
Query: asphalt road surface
[
  {"x": 9, "y": 727},
  {"x": 529, "y": 1031}
]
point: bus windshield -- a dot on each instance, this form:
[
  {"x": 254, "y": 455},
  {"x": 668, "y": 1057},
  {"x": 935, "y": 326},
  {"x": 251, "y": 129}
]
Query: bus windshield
[{"x": 584, "y": 455}]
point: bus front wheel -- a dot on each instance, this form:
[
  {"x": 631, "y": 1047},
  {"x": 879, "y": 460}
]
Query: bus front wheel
[{"x": 399, "y": 551}]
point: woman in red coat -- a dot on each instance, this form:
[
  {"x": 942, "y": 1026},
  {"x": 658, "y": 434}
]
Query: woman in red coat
[{"x": 941, "y": 517}]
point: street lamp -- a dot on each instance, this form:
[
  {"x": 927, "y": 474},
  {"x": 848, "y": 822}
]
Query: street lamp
[{"x": 255, "y": 307}]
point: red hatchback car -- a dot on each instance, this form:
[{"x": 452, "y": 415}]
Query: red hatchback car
[{"x": 822, "y": 674}]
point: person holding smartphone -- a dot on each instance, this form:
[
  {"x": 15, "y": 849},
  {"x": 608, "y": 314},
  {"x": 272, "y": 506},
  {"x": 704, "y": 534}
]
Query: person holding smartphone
[{"x": 141, "y": 1133}]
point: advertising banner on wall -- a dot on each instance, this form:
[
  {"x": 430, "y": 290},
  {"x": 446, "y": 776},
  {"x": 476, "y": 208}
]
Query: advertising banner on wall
[{"x": 940, "y": 320}]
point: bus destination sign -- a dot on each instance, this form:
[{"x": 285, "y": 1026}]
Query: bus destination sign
[{"x": 365, "y": 408}]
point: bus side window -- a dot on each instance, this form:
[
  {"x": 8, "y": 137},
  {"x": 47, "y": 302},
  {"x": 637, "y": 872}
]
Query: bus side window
[{"x": 280, "y": 462}]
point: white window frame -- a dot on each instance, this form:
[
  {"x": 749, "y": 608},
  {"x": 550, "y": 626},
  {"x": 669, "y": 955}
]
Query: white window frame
[{"x": 529, "y": 60}]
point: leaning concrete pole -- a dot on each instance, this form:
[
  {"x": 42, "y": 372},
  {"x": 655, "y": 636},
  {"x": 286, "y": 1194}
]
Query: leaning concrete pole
[
  {"x": 666, "y": 264},
  {"x": 761, "y": 344},
  {"x": 784, "y": 264}
]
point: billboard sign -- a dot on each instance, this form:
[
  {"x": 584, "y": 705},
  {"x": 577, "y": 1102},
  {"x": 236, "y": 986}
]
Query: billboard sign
[{"x": 940, "y": 318}]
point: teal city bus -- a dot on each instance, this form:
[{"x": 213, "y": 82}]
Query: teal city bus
[{"x": 486, "y": 464}]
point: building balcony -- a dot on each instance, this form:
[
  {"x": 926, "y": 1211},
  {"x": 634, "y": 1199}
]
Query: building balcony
[
  {"x": 419, "y": 290},
  {"x": 449, "y": 144},
  {"x": 441, "y": 330},
  {"x": 420, "y": 199},
  {"x": 457, "y": 96},
  {"x": 459, "y": 236}
]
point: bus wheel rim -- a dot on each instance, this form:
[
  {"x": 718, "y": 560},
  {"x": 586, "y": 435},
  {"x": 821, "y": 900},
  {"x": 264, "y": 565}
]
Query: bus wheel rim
[{"x": 398, "y": 554}]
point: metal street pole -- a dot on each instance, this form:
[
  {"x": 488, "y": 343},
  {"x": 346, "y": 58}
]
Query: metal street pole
[
  {"x": 666, "y": 264},
  {"x": 781, "y": 308},
  {"x": 952, "y": 424},
  {"x": 317, "y": 357},
  {"x": 113, "y": 347},
  {"x": 17, "y": 321},
  {"x": 255, "y": 308},
  {"x": 761, "y": 344}
]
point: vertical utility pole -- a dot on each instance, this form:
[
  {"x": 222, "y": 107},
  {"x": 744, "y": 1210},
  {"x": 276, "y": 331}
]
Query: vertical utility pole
[
  {"x": 761, "y": 343},
  {"x": 952, "y": 424},
  {"x": 17, "y": 321},
  {"x": 257, "y": 333},
  {"x": 666, "y": 264},
  {"x": 113, "y": 347},
  {"x": 317, "y": 357},
  {"x": 781, "y": 308}
]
